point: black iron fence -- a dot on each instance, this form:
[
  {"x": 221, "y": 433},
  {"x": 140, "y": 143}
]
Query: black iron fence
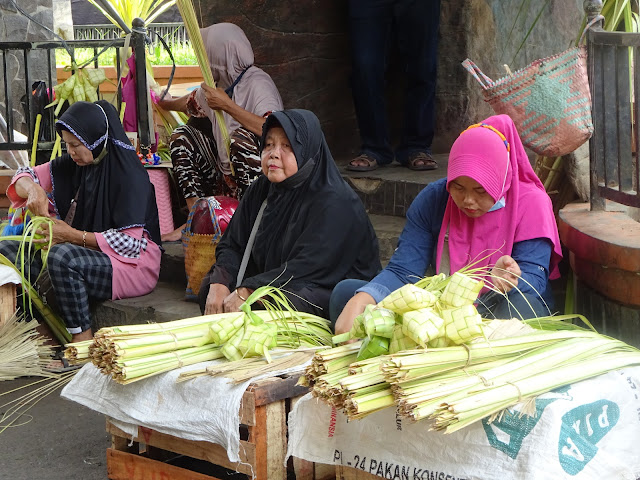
[
  {"x": 25, "y": 51},
  {"x": 614, "y": 77},
  {"x": 172, "y": 33}
]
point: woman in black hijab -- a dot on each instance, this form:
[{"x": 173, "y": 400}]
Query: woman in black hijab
[
  {"x": 106, "y": 236},
  {"x": 313, "y": 231}
]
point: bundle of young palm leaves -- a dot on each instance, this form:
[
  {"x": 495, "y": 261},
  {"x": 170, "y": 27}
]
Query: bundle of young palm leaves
[
  {"x": 131, "y": 353},
  {"x": 456, "y": 386},
  {"x": 22, "y": 350},
  {"x": 27, "y": 249}
]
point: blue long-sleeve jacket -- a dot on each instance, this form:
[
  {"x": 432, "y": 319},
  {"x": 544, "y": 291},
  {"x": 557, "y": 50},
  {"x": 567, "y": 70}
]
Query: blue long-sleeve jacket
[{"x": 417, "y": 247}]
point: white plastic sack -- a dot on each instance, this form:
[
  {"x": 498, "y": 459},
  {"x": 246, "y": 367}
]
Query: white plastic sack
[
  {"x": 588, "y": 430},
  {"x": 204, "y": 408}
]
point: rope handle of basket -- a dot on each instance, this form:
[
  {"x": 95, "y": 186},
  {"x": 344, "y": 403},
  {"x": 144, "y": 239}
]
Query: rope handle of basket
[
  {"x": 595, "y": 20},
  {"x": 484, "y": 81}
]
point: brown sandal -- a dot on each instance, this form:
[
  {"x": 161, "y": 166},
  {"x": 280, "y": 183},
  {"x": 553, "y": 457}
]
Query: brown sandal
[
  {"x": 422, "y": 161},
  {"x": 371, "y": 163}
]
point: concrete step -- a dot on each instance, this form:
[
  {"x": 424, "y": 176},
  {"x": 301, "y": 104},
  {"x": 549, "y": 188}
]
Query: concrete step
[
  {"x": 388, "y": 229},
  {"x": 390, "y": 189},
  {"x": 164, "y": 304}
]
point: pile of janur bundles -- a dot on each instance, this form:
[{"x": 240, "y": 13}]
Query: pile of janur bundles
[
  {"x": 428, "y": 352},
  {"x": 131, "y": 353}
]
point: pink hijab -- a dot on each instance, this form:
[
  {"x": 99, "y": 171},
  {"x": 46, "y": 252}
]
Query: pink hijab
[
  {"x": 502, "y": 167},
  {"x": 230, "y": 53}
]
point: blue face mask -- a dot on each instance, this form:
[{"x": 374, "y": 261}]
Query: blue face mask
[{"x": 498, "y": 205}]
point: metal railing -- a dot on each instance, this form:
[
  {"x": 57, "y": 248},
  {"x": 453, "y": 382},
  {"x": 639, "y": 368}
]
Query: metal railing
[
  {"x": 614, "y": 80},
  {"x": 25, "y": 50},
  {"x": 172, "y": 33}
]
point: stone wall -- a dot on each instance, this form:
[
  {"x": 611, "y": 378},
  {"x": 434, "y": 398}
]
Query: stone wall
[
  {"x": 14, "y": 27},
  {"x": 304, "y": 46}
]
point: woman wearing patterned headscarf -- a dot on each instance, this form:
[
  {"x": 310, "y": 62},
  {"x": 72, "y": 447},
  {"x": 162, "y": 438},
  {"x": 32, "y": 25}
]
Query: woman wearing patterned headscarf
[
  {"x": 105, "y": 237},
  {"x": 246, "y": 95},
  {"x": 490, "y": 211},
  {"x": 309, "y": 229}
]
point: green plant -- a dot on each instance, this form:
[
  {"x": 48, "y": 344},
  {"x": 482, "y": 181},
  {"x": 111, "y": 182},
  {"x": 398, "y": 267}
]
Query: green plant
[
  {"x": 124, "y": 11},
  {"x": 182, "y": 53}
]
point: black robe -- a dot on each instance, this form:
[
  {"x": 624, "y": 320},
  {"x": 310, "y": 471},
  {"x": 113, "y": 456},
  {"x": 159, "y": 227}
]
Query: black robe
[
  {"x": 314, "y": 232},
  {"x": 116, "y": 192}
]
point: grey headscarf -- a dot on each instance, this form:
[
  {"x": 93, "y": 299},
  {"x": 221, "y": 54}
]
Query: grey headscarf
[{"x": 230, "y": 53}]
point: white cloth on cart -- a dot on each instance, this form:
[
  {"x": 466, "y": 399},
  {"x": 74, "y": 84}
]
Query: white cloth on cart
[
  {"x": 204, "y": 408},
  {"x": 587, "y": 430}
]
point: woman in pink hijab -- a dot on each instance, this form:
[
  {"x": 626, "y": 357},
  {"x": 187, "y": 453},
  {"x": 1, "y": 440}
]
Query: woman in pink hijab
[
  {"x": 246, "y": 95},
  {"x": 491, "y": 210}
]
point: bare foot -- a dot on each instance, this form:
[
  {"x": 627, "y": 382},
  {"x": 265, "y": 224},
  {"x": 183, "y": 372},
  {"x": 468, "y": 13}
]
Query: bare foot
[{"x": 173, "y": 236}]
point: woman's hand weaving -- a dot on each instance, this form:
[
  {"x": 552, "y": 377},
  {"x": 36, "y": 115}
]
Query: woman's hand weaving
[
  {"x": 60, "y": 232},
  {"x": 217, "y": 98},
  {"x": 505, "y": 274}
]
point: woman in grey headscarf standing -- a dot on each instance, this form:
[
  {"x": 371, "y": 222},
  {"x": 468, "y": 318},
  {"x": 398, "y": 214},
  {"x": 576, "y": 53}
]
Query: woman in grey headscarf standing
[{"x": 246, "y": 95}]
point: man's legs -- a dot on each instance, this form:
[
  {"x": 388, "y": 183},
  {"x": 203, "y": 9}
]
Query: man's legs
[
  {"x": 370, "y": 23},
  {"x": 417, "y": 23}
]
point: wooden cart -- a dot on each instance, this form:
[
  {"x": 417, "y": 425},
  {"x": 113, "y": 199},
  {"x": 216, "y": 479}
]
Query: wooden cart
[{"x": 263, "y": 443}]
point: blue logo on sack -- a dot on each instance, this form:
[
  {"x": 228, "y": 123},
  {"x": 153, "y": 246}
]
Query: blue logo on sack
[
  {"x": 513, "y": 427},
  {"x": 582, "y": 428}
]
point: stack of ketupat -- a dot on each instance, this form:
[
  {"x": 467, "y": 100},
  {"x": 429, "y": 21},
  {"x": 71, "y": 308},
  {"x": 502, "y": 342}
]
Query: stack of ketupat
[
  {"x": 131, "y": 353},
  {"x": 455, "y": 368}
]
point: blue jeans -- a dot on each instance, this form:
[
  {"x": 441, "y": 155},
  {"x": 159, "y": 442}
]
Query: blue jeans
[
  {"x": 373, "y": 23},
  {"x": 341, "y": 294},
  {"x": 523, "y": 306}
]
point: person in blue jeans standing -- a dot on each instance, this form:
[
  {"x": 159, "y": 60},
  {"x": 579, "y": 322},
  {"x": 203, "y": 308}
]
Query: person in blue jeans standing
[{"x": 414, "y": 23}]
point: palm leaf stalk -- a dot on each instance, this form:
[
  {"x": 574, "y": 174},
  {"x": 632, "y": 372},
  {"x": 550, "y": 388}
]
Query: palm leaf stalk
[
  {"x": 438, "y": 383},
  {"x": 132, "y": 352},
  {"x": 17, "y": 408},
  {"x": 27, "y": 249},
  {"x": 78, "y": 352},
  {"x": 22, "y": 350},
  {"x": 453, "y": 416},
  {"x": 192, "y": 27}
]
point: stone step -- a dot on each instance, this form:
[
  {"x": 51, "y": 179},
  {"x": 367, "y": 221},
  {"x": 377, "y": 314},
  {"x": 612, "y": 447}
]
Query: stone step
[
  {"x": 167, "y": 302},
  {"x": 389, "y": 190}
]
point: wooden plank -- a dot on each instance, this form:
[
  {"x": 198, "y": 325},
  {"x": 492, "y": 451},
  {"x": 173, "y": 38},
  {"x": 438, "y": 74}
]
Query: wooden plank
[
  {"x": 207, "y": 451},
  {"x": 7, "y": 302},
  {"x": 270, "y": 440},
  {"x": 276, "y": 440},
  {"x": 248, "y": 409},
  {"x": 126, "y": 466},
  {"x": 324, "y": 471},
  {"x": 275, "y": 388}
]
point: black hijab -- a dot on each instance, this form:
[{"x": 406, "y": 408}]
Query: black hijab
[
  {"x": 113, "y": 193},
  {"x": 314, "y": 232}
]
